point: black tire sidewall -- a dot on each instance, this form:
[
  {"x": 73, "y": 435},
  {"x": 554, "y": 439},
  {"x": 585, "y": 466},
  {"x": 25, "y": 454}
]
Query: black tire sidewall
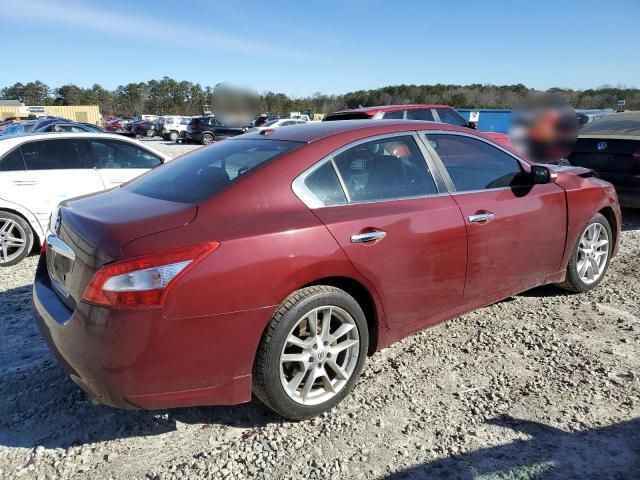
[
  {"x": 573, "y": 278},
  {"x": 277, "y": 397},
  {"x": 29, "y": 237}
]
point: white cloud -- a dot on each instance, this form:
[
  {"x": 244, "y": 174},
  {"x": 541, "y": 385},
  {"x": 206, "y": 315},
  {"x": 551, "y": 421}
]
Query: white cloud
[{"x": 83, "y": 15}]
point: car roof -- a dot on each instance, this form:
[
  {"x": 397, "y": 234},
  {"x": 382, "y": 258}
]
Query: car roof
[
  {"x": 7, "y": 143},
  {"x": 625, "y": 124},
  {"x": 391, "y": 108},
  {"x": 312, "y": 131}
]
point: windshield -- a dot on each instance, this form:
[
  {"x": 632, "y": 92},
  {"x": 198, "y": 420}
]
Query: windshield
[
  {"x": 206, "y": 171},
  {"x": 272, "y": 122}
]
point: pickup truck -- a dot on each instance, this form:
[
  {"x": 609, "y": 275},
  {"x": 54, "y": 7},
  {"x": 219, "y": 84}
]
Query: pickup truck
[{"x": 206, "y": 130}]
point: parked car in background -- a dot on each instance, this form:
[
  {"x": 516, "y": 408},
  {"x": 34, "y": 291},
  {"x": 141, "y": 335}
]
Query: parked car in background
[
  {"x": 38, "y": 171},
  {"x": 93, "y": 128},
  {"x": 143, "y": 128},
  {"x": 587, "y": 116},
  {"x": 64, "y": 126},
  {"x": 206, "y": 130},
  {"x": 172, "y": 127},
  {"x": 430, "y": 113},
  {"x": 611, "y": 147},
  {"x": 279, "y": 262},
  {"x": 283, "y": 122},
  {"x": 260, "y": 120},
  {"x": 117, "y": 125},
  {"x": 18, "y": 128}
]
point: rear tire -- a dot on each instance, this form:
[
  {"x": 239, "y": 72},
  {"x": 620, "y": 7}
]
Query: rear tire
[
  {"x": 312, "y": 352},
  {"x": 590, "y": 258},
  {"x": 16, "y": 239},
  {"x": 150, "y": 133},
  {"x": 208, "y": 138},
  {"x": 173, "y": 136}
]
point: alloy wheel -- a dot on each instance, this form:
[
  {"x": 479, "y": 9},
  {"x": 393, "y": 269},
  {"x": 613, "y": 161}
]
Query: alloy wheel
[
  {"x": 593, "y": 253},
  {"x": 320, "y": 355},
  {"x": 13, "y": 240}
]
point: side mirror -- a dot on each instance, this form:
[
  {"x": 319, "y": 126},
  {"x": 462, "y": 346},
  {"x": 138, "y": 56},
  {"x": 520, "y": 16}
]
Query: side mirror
[
  {"x": 541, "y": 175},
  {"x": 472, "y": 125}
]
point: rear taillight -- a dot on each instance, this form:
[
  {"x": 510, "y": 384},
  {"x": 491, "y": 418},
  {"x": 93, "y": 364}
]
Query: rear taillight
[
  {"x": 636, "y": 156},
  {"x": 143, "y": 282}
]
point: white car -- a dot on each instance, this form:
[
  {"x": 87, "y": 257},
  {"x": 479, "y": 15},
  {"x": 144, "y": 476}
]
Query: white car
[
  {"x": 38, "y": 171},
  {"x": 282, "y": 122},
  {"x": 172, "y": 127}
]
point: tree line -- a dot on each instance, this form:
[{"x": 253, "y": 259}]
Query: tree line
[{"x": 169, "y": 96}]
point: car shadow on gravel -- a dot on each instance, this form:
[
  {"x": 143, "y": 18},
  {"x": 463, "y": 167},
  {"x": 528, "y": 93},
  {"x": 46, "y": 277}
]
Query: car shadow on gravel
[
  {"x": 40, "y": 405},
  {"x": 607, "y": 452}
]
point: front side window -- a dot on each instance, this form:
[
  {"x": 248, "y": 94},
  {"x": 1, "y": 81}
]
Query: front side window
[
  {"x": 54, "y": 155},
  {"x": 202, "y": 173},
  {"x": 450, "y": 116},
  {"x": 12, "y": 162},
  {"x": 115, "y": 154},
  {"x": 390, "y": 168},
  {"x": 474, "y": 164}
]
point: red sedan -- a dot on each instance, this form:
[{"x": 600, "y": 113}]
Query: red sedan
[{"x": 275, "y": 262}]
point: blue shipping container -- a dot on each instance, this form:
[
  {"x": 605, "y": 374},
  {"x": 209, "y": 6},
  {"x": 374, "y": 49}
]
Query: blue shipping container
[{"x": 490, "y": 120}]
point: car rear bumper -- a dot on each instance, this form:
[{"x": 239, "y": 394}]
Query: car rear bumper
[{"x": 141, "y": 359}]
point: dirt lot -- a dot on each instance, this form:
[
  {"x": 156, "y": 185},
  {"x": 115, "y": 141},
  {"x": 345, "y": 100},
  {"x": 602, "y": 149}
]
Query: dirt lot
[{"x": 542, "y": 385}]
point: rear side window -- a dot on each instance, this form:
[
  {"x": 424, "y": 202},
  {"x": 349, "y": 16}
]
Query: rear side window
[
  {"x": 115, "y": 154},
  {"x": 391, "y": 168},
  {"x": 202, "y": 173},
  {"x": 324, "y": 184},
  {"x": 475, "y": 165},
  {"x": 420, "y": 114},
  {"x": 398, "y": 114},
  {"x": 12, "y": 162},
  {"x": 54, "y": 155}
]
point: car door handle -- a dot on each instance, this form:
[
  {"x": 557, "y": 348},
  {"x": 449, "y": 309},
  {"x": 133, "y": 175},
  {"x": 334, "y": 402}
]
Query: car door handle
[
  {"x": 24, "y": 182},
  {"x": 368, "y": 237},
  {"x": 481, "y": 217}
]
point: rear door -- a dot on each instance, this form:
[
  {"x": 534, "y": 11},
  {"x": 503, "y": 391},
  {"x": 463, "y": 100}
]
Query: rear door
[
  {"x": 56, "y": 169},
  {"x": 118, "y": 161},
  {"x": 396, "y": 226},
  {"x": 516, "y": 231}
]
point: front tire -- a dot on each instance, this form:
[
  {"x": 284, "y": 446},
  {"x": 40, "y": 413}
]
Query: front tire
[
  {"x": 590, "y": 258},
  {"x": 16, "y": 239},
  {"x": 173, "y": 136},
  {"x": 312, "y": 352}
]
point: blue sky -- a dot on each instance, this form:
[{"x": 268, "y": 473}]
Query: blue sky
[{"x": 299, "y": 47}]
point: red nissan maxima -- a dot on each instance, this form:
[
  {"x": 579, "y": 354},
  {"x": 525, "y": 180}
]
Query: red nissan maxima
[{"x": 275, "y": 262}]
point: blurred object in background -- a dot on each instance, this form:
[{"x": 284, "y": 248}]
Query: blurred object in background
[
  {"x": 235, "y": 105},
  {"x": 544, "y": 128}
]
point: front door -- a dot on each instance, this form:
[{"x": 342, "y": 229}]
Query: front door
[
  {"x": 516, "y": 230},
  {"x": 397, "y": 229}
]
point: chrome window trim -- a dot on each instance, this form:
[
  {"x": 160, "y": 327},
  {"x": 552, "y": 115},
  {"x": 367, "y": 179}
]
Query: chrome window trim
[
  {"x": 307, "y": 197},
  {"x": 423, "y": 137}
]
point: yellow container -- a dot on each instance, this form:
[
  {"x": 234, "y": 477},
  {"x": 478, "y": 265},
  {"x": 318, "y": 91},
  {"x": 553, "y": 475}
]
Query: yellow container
[{"x": 78, "y": 113}]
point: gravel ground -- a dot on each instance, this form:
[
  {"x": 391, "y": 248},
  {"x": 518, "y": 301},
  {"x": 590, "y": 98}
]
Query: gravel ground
[{"x": 542, "y": 385}]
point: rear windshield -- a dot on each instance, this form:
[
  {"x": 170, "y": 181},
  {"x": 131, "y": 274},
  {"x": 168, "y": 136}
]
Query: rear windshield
[
  {"x": 615, "y": 124},
  {"x": 202, "y": 173}
]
